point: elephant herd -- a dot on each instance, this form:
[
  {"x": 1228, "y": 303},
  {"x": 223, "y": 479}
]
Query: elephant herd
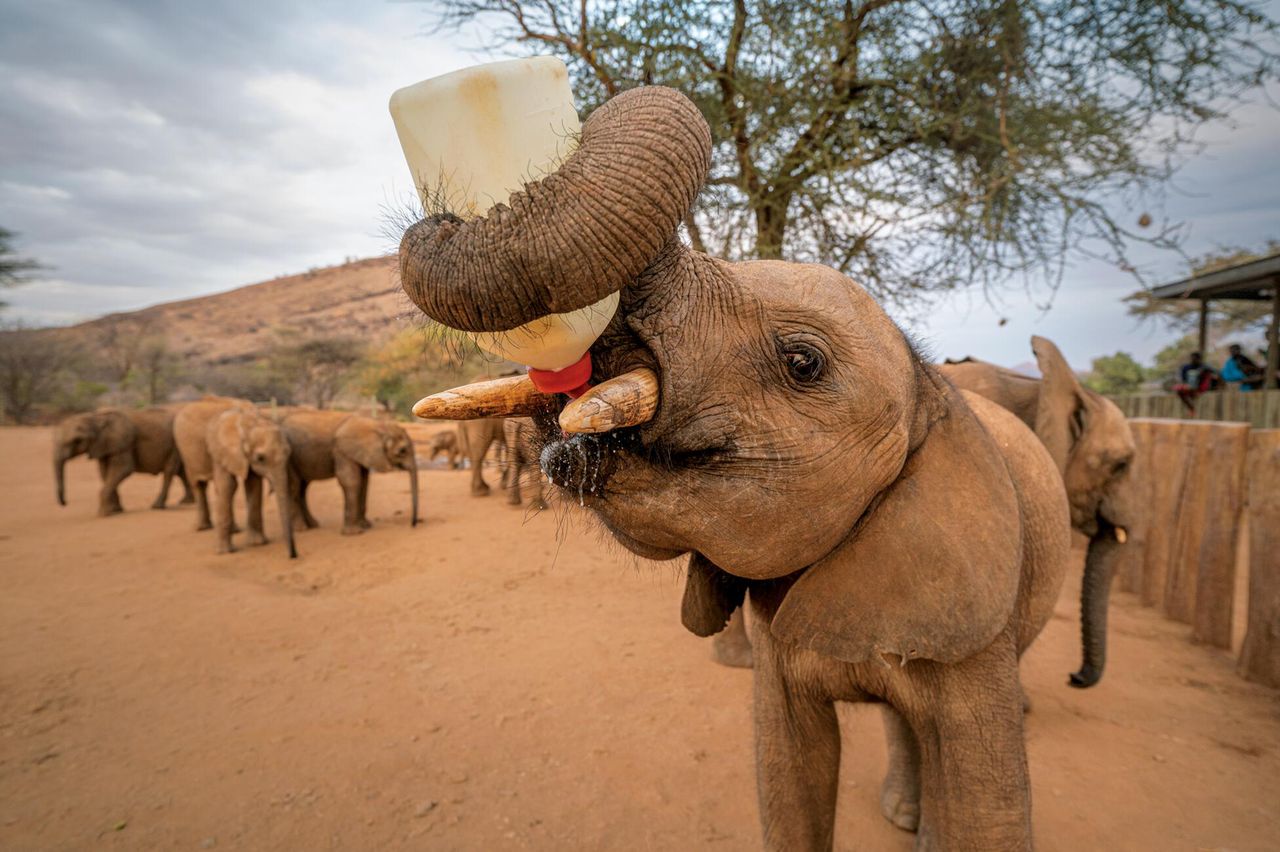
[{"x": 230, "y": 442}]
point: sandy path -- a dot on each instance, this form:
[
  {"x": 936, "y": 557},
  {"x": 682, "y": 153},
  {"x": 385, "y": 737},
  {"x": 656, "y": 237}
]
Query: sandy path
[{"x": 493, "y": 681}]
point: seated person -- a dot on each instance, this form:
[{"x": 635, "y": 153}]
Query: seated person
[
  {"x": 1239, "y": 367},
  {"x": 1196, "y": 378}
]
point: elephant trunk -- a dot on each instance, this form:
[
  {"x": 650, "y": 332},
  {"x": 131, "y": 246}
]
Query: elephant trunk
[
  {"x": 280, "y": 484},
  {"x": 412, "y": 466},
  {"x": 1099, "y": 568},
  {"x": 574, "y": 237},
  {"x": 60, "y": 457}
]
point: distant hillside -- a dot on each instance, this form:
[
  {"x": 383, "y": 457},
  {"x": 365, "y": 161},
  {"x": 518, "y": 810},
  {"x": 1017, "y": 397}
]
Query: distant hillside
[{"x": 360, "y": 299}]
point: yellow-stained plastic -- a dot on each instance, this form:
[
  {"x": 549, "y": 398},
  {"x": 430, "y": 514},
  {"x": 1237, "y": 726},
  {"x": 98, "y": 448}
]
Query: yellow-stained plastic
[{"x": 471, "y": 138}]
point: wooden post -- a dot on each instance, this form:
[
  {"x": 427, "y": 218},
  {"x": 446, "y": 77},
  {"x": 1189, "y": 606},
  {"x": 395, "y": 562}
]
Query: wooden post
[
  {"x": 1260, "y": 655},
  {"x": 1167, "y": 475},
  {"x": 1218, "y": 496},
  {"x": 1192, "y": 453},
  {"x": 1204, "y": 329}
]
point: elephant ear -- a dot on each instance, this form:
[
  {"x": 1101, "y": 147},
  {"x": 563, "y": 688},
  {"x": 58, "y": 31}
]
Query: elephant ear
[
  {"x": 226, "y": 440},
  {"x": 364, "y": 442},
  {"x": 932, "y": 571},
  {"x": 113, "y": 433},
  {"x": 1061, "y": 410},
  {"x": 710, "y": 597}
]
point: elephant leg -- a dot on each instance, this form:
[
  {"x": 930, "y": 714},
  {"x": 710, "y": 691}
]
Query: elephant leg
[
  {"x": 302, "y": 517},
  {"x": 797, "y": 758},
  {"x": 348, "y": 474},
  {"x": 114, "y": 472},
  {"x": 513, "y": 483},
  {"x": 203, "y": 521},
  {"x": 253, "y": 498},
  {"x": 188, "y": 494},
  {"x": 166, "y": 478},
  {"x": 900, "y": 792},
  {"x": 974, "y": 786},
  {"x": 362, "y": 517},
  {"x": 731, "y": 647},
  {"x": 224, "y": 492},
  {"x": 476, "y": 454}
]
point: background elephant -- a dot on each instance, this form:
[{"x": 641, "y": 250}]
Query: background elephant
[
  {"x": 190, "y": 429},
  {"x": 122, "y": 441},
  {"x": 520, "y": 467},
  {"x": 900, "y": 540},
  {"x": 327, "y": 444},
  {"x": 447, "y": 443},
  {"x": 475, "y": 437},
  {"x": 244, "y": 445},
  {"x": 1090, "y": 440}
]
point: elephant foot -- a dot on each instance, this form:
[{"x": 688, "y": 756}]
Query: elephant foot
[
  {"x": 107, "y": 511},
  {"x": 365, "y": 524},
  {"x": 187, "y": 500},
  {"x": 732, "y": 650},
  {"x": 201, "y": 526},
  {"x": 480, "y": 490},
  {"x": 256, "y": 539},
  {"x": 898, "y": 804},
  {"x": 513, "y": 501},
  {"x": 159, "y": 505},
  {"x": 226, "y": 547},
  {"x": 352, "y": 529}
]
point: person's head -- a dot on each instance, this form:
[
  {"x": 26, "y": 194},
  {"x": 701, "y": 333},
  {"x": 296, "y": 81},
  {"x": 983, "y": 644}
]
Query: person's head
[
  {"x": 1194, "y": 359},
  {"x": 1234, "y": 349}
]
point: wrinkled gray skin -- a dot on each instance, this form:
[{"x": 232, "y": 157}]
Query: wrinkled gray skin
[
  {"x": 902, "y": 541},
  {"x": 1090, "y": 439},
  {"x": 122, "y": 441}
]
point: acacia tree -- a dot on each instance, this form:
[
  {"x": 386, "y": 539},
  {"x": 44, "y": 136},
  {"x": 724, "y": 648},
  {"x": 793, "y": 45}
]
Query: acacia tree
[
  {"x": 917, "y": 146},
  {"x": 14, "y": 270}
]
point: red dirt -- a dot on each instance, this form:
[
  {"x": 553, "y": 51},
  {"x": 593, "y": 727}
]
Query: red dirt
[{"x": 494, "y": 680}]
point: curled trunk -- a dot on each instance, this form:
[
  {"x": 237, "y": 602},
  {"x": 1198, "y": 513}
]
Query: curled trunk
[
  {"x": 1095, "y": 591},
  {"x": 574, "y": 237}
]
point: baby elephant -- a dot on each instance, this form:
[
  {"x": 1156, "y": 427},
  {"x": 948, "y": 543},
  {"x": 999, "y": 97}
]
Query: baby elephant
[
  {"x": 329, "y": 444},
  {"x": 446, "y": 443},
  {"x": 245, "y": 445},
  {"x": 122, "y": 442}
]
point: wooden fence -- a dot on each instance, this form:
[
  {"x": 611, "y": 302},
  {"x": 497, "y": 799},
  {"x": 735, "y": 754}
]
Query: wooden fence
[
  {"x": 1202, "y": 483},
  {"x": 1260, "y": 409}
]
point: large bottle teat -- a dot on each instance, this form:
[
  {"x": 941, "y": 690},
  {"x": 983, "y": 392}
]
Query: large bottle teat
[{"x": 471, "y": 138}]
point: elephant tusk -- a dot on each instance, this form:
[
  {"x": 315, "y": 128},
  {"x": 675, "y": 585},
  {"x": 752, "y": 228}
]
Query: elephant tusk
[
  {"x": 626, "y": 400},
  {"x": 1121, "y": 535},
  {"x": 510, "y": 396}
]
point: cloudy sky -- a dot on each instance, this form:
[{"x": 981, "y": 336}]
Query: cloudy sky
[{"x": 153, "y": 151}]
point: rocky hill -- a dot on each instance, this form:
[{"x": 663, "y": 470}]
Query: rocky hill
[{"x": 360, "y": 299}]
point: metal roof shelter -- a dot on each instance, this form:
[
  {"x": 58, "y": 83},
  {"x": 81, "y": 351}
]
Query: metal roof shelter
[{"x": 1255, "y": 280}]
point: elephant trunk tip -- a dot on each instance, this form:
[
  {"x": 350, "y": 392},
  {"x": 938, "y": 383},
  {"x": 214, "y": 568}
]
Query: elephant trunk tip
[{"x": 1087, "y": 676}]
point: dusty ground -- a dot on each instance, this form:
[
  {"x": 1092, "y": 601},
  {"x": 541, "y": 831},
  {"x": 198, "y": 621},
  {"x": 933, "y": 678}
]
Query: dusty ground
[{"x": 492, "y": 681}]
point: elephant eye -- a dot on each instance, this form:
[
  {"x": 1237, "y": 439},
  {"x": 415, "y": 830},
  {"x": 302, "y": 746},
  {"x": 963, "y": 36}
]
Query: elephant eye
[
  {"x": 260, "y": 457},
  {"x": 805, "y": 363}
]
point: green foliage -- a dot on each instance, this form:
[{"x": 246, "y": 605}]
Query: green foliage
[
  {"x": 14, "y": 270},
  {"x": 1115, "y": 374},
  {"x": 315, "y": 367},
  {"x": 919, "y": 147},
  {"x": 418, "y": 362},
  {"x": 35, "y": 369}
]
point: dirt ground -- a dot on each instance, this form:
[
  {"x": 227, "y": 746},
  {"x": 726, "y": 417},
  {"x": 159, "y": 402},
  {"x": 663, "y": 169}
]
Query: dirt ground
[{"x": 493, "y": 680}]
